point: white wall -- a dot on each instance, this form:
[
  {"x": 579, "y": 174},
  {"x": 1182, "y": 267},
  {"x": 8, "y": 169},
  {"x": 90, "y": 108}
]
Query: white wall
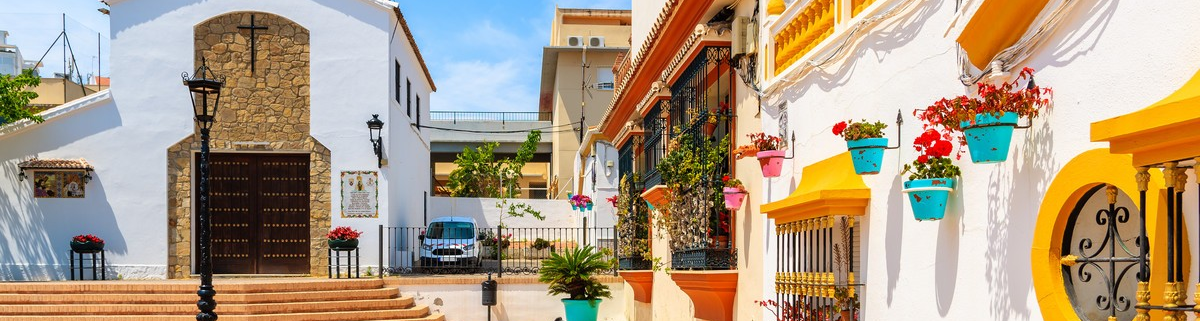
[
  {"x": 607, "y": 178},
  {"x": 516, "y": 302},
  {"x": 1108, "y": 58},
  {"x": 558, "y": 213},
  {"x": 645, "y": 13},
  {"x": 126, "y": 139}
]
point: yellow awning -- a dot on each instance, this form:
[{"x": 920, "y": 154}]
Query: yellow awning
[
  {"x": 997, "y": 24},
  {"x": 828, "y": 187},
  {"x": 1168, "y": 130}
]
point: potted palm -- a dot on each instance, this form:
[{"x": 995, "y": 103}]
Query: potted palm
[
  {"x": 865, "y": 142},
  {"x": 572, "y": 273},
  {"x": 343, "y": 238},
  {"x": 770, "y": 153},
  {"x": 986, "y": 123},
  {"x": 734, "y": 192},
  {"x": 87, "y": 243},
  {"x": 931, "y": 176}
]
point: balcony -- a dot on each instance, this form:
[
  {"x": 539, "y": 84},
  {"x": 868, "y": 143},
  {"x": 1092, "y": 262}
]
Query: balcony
[{"x": 487, "y": 116}]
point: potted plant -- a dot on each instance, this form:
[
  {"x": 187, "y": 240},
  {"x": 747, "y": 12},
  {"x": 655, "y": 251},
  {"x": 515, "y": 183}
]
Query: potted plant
[
  {"x": 572, "y": 273},
  {"x": 580, "y": 202},
  {"x": 931, "y": 176},
  {"x": 87, "y": 243},
  {"x": 986, "y": 123},
  {"x": 770, "y": 153},
  {"x": 343, "y": 238},
  {"x": 734, "y": 192},
  {"x": 865, "y": 142},
  {"x": 714, "y": 116}
]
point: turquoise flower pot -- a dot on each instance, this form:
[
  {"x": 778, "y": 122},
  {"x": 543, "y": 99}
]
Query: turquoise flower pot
[
  {"x": 581, "y": 310},
  {"x": 928, "y": 197},
  {"x": 867, "y": 154},
  {"x": 988, "y": 139},
  {"x": 589, "y": 206}
]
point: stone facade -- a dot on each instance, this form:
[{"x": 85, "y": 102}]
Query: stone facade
[{"x": 263, "y": 111}]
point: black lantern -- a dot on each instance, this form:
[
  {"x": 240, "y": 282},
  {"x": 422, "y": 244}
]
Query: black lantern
[
  {"x": 205, "y": 89},
  {"x": 376, "y": 127},
  {"x": 205, "y": 86}
]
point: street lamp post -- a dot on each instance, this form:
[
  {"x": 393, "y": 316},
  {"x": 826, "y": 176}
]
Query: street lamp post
[
  {"x": 205, "y": 89},
  {"x": 375, "y": 126}
]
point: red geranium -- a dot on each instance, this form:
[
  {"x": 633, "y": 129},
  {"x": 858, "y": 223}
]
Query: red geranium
[
  {"x": 343, "y": 233},
  {"x": 87, "y": 238},
  {"x": 839, "y": 128}
]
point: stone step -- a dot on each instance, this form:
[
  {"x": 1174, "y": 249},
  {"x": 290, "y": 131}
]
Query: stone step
[
  {"x": 222, "y": 308},
  {"x": 187, "y": 286},
  {"x": 190, "y": 298},
  {"x": 413, "y": 313}
]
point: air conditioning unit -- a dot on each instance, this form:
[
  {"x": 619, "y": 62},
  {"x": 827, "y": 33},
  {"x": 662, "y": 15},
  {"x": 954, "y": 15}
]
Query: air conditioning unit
[
  {"x": 595, "y": 41},
  {"x": 745, "y": 36},
  {"x": 574, "y": 41}
]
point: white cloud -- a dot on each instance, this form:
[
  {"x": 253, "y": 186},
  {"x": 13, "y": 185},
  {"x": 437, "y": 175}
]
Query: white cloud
[{"x": 486, "y": 86}]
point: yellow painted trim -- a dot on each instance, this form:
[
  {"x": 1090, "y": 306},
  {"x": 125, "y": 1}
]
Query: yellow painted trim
[
  {"x": 1087, "y": 170},
  {"x": 1167, "y": 130},
  {"x": 827, "y": 187}
]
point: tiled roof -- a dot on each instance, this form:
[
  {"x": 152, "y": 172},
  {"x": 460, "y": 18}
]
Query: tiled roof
[{"x": 55, "y": 163}]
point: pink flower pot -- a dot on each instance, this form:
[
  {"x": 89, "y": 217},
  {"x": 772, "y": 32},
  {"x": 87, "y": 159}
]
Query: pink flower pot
[
  {"x": 771, "y": 161},
  {"x": 734, "y": 198}
]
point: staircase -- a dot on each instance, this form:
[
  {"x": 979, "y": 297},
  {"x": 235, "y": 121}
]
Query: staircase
[{"x": 237, "y": 300}]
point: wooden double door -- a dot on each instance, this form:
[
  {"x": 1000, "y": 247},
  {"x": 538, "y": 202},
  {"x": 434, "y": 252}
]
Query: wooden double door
[{"x": 260, "y": 213}]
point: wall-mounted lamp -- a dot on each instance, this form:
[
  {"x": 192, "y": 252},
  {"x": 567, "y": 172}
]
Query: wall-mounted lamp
[
  {"x": 608, "y": 165},
  {"x": 376, "y": 127},
  {"x": 21, "y": 176}
]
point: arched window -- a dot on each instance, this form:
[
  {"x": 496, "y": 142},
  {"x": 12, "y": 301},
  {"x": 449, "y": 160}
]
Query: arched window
[{"x": 1101, "y": 236}]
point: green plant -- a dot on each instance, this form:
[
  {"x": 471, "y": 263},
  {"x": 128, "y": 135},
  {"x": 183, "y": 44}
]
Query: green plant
[
  {"x": 843, "y": 294},
  {"x": 15, "y": 95},
  {"x": 480, "y": 174},
  {"x": 851, "y": 130},
  {"x": 572, "y": 273},
  {"x": 934, "y": 161},
  {"x": 733, "y": 183},
  {"x": 516, "y": 209},
  {"x": 692, "y": 171},
  {"x": 541, "y": 244},
  {"x": 764, "y": 142},
  {"x": 633, "y": 218}
]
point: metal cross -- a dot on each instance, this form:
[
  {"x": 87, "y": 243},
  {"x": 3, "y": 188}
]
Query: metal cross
[{"x": 253, "y": 48}]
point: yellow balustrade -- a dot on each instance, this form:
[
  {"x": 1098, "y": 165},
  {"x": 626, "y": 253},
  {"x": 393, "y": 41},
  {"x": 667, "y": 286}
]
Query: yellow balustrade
[{"x": 807, "y": 29}]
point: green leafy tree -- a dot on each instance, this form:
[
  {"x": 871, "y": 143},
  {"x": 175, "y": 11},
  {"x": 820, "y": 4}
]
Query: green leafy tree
[
  {"x": 480, "y": 174},
  {"x": 15, "y": 96}
]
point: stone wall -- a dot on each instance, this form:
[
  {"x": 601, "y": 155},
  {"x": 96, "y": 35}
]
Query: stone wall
[{"x": 262, "y": 111}]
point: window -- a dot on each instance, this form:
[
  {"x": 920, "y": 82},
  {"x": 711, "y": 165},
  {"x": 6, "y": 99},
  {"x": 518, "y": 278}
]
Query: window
[
  {"x": 1104, "y": 231},
  {"x": 450, "y": 231},
  {"x": 418, "y": 111},
  {"x": 397, "y": 83},
  {"x": 604, "y": 78},
  {"x": 817, "y": 258},
  {"x": 408, "y": 93}
]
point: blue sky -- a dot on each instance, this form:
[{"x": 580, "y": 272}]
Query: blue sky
[
  {"x": 483, "y": 55},
  {"x": 487, "y": 55},
  {"x": 33, "y": 26}
]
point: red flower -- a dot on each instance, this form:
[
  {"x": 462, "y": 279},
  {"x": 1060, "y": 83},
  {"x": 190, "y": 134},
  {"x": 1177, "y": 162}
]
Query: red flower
[
  {"x": 87, "y": 238},
  {"x": 725, "y": 179},
  {"x": 343, "y": 233},
  {"x": 923, "y": 159},
  {"x": 839, "y": 128},
  {"x": 941, "y": 148}
]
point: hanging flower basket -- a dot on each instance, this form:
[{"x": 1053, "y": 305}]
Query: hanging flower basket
[
  {"x": 734, "y": 198},
  {"x": 770, "y": 153},
  {"x": 867, "y": 154},
  {"x": 989, "y": 138},
  {"x": 928, "y": 197},
  {"x": 771, "y": 162},
  {"x": 866, "y": 144},
  {"x": 582, "y": 203}
]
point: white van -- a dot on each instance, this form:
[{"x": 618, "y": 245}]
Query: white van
[{"x": 450, "y": 241}]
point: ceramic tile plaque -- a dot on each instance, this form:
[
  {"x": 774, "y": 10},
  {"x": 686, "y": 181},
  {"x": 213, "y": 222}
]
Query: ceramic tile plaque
[{"x": 360, "y": 194}]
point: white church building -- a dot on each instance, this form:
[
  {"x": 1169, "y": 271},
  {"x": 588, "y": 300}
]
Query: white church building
[{"x": 290, "y": 144}]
